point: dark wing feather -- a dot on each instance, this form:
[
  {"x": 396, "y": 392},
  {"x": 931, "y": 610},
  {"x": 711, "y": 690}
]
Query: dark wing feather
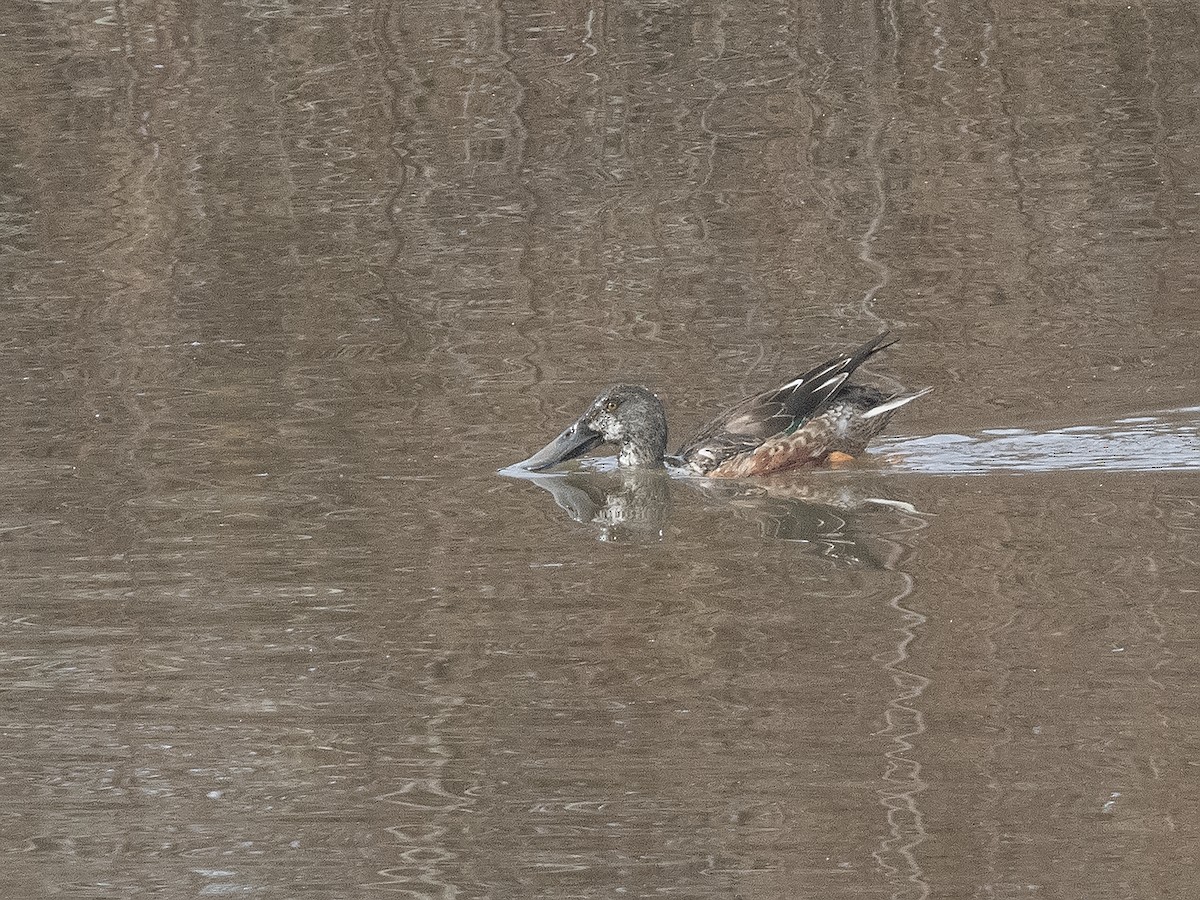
[{"x": 780, "y": 410}]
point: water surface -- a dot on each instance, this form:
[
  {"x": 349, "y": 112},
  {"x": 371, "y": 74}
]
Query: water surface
[{"x": 284, "y": 286}]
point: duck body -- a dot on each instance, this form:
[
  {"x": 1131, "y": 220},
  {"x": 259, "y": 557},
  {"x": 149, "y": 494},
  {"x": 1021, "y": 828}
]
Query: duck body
[{"x": 801, "y": 423}]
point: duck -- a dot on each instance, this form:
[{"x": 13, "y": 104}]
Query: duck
[{"x": 816, "y": 418}]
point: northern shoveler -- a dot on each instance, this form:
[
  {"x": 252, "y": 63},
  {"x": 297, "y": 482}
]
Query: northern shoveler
[{"x": 811, "y": 419}]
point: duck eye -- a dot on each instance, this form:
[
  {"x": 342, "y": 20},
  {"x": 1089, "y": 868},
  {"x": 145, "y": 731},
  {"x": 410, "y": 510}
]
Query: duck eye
[{"x": 611, "y": 406}]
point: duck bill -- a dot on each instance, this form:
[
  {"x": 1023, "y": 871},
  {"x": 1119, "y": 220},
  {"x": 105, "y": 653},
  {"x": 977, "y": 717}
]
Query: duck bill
[{"x": 575, "y": 441}]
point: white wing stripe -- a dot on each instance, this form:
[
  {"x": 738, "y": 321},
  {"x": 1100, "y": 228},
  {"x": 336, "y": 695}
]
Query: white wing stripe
[
  {"x": 832, "y": 384},
  {"x": 894, "y": 403}
]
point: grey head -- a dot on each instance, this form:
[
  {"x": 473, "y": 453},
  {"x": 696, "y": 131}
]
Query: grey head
[{"x": 627, "y": 415}]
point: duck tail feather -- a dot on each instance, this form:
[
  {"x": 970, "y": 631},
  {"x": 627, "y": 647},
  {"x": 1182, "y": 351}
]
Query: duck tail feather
[{"x": 894, "y": 404}]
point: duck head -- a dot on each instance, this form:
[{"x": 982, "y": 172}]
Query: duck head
[{"x": 627, "y": 415}]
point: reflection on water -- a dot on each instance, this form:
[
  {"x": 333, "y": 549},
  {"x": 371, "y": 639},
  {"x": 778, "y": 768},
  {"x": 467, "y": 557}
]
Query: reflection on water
[
  {"x": 635, "y": 503},
  {"x": 626, "y": 503},
  {"x": 283, "y": 285}
]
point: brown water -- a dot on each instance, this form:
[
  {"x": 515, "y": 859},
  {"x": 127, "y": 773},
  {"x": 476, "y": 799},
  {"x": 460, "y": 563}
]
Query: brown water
[{"x": 283, "y": 286}]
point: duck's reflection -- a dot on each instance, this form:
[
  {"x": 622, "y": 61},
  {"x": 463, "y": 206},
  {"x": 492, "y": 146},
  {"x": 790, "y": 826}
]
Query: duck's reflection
[
  {"x": 788, "y": 509},
  {"x": 636, "y": 504},
  {"x": 627, "y": 502}
]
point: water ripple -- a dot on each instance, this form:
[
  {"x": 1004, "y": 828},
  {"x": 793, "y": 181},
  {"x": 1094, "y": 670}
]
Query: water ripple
[{"x": 1168, "y": 441}]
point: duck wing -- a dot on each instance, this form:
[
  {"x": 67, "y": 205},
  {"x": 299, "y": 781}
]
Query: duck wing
[{"x": 780, "y": 410}]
